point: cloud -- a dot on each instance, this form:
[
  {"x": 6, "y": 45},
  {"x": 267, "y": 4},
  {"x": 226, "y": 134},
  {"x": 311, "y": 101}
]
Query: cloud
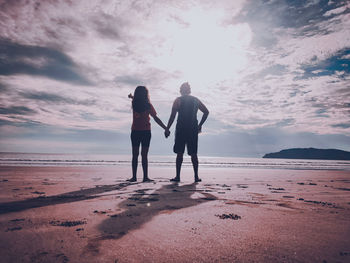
[
  {"x": 341, "y": 125},
  {"x": 257, "y": 65},
  {"x": 16, "y": 110},
  {"x": 3, "y": 88},
  {"x": 304, "y": 16},
  {"x": 55, "y": 98},
  {"x": 276, "y": 70},
  {"x": 107, "y": 26},
  {"x": 36, "y": 60},
  {"x": 337, "y": 11},
  {"x": 338, "y": 62},
  {"x": 298, "y": 60}
]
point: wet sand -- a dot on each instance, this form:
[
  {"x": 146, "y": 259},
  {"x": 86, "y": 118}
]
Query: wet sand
[{"x": 90, "y": 214}]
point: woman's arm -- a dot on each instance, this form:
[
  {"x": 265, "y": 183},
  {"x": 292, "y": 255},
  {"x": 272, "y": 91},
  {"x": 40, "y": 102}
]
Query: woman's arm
[{"x": 159, "y": 122}]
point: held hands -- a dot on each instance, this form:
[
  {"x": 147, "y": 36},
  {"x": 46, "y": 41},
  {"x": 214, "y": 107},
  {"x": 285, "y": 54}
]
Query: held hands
[{"x": 166, "y": 133}]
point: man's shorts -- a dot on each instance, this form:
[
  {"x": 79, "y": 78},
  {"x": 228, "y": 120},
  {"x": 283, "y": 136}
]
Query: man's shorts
[
  {"x": 183, "y": 138},
  {"x": 140, "y": 137}
]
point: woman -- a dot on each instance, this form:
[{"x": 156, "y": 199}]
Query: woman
[{"x": 141, "y": 129}]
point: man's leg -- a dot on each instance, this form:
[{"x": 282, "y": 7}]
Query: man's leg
[
  {"x": 192, "y": 148},
  {"x": 179, "y": 159},
  {"x": 179, "y": 148},
  {"x": 194, "y": 159}
]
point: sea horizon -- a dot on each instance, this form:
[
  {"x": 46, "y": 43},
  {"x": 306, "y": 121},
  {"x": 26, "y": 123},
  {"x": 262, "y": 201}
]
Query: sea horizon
[{"x": 78, "y": 159}]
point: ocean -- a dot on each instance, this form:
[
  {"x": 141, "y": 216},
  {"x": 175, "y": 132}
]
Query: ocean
[{"x": 41, "y": 159}]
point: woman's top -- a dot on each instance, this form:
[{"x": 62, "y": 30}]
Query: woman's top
[{"x": 141, "y": 120}]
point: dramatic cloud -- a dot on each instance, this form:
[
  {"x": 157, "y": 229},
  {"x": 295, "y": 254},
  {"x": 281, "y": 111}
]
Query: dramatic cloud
[
  {"x": 265, "y": 69},
  {"x": 36, "y": 60},
  {"x": 19, "y": 110}
]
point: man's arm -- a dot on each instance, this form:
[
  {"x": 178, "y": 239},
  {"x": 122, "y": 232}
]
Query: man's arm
[
  {"x": 174, "y": 110},
  {"x": 171, "y": 118},
  {"x": 205, "y": 111}
]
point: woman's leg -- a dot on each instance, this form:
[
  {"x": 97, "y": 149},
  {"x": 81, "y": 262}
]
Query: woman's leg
[
  {"x": 135, "y": 156},
  {"x": 144, "y": 155}
]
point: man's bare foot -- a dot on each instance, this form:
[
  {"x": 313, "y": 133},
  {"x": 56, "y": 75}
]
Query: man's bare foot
[
  {"x": 175, "y": 179},
  {"x": 132, "y": 179},
  {"x": 145, "y": 180},
  {"x": 197, "y": 180}
]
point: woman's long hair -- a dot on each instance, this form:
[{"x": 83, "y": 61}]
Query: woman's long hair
[{"x": 141, "y": 102}]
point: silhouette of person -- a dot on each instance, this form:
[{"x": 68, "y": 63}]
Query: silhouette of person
[
  {"x": 187, "y": 128},
  {"x": 141, "y": 129}
]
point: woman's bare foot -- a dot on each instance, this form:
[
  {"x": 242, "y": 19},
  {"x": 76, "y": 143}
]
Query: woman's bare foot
[
  {"x": 132, "y": 179},
  {"x": 175, "y": 179},
  {"x": 145, "y": 180}
]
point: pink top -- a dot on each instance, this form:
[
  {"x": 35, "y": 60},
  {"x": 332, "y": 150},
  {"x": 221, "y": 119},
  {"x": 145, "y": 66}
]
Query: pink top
[{"x": 141, "y": 120}]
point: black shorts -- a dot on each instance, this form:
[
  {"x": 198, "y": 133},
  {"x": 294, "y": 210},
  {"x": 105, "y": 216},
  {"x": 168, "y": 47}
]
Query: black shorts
[
  {"x": 140, "y": 137},
  {"x": 186, "y": 137}
]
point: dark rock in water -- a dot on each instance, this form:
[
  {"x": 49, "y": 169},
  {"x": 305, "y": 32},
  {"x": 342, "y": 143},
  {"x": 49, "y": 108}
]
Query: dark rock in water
[
  {"x": 208, "y": 198},
  {"x": 67, "y": 223},
  {"x": 62, "y": 256},
  {"x": 14, "y": 229},
  {"x": 38, "y": 193},
  {"x": 310, "y": 153},
  {"x": 321, "y": 203},
  {"x": 344, "y": 189},
  {"x": 17, "y": 219},
  {"x": 229, "y": 216},
  {"x": 99, "y": 212}
]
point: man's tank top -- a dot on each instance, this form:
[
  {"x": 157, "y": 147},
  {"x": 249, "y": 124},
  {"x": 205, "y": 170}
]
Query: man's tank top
[{"x": 187, "y": 113}]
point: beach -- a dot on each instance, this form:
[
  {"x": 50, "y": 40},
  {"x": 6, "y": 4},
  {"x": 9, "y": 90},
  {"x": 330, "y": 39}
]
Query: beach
[{"x": 91, "y": 214}]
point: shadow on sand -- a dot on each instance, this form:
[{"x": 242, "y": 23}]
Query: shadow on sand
[
  {"x": 69, "y": 197},
  {"x": 141, "y": 208}
]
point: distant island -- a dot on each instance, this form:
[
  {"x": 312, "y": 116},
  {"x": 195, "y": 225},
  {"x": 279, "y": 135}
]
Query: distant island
[{"x": 310, "y": 153}]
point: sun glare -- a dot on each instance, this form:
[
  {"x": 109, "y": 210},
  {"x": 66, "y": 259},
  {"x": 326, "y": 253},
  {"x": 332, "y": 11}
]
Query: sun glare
[{"x": 203, "y": 48}]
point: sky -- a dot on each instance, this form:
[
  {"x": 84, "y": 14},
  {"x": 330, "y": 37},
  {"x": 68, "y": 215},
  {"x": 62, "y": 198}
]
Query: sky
[{"x": 273, "y": 74}]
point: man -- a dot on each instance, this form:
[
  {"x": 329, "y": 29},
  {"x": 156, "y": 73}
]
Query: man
[{"x": 187, "y": 128}]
